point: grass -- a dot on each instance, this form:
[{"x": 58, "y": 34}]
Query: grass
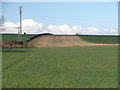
[
  {"x": 82, "y": 67},
  {"x": 9, "y": 37},
  {"x": 100, "y": 39}
]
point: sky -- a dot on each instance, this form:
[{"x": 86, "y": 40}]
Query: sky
[{"x": 62, "y": 17}]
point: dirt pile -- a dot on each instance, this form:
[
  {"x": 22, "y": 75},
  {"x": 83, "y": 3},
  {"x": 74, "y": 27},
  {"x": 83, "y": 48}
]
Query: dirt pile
[
  {"x": 12, "y": 44},
  {"x": 49, "y": 40},
  {"x": 57, "y": 41}
]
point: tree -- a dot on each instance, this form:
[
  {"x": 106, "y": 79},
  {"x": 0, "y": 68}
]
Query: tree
[{"x": 2, "y": 23}]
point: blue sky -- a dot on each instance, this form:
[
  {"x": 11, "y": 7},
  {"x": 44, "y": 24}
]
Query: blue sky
[
  {"x": 97, "y": 14},
  {"x": 87, "y": 14}
]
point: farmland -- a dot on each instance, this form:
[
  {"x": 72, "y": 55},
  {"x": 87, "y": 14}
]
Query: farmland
[
  {"x": 100, "y": 39},
  {"x": 61, "y": 67},
  {"x": 82, "y": 67},
  {"x": 8, "y": 37},
  {"x": 89, "y": 38}
]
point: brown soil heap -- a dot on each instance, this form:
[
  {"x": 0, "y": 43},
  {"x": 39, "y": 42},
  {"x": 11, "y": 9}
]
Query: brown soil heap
[
  {"x": 57, "y": 41},
  {"x": 11, "y": 43},
  {"x": 49, "y": 40}
]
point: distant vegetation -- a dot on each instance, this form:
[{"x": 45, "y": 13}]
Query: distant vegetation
[
  {"x": 89, "y": 38},
  {"x": 100, "y": 39},
  {"x": 9, "y": 37}
]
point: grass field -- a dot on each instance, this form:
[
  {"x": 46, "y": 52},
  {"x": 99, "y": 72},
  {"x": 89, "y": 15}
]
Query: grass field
[
  {"x": 89, "y": 38},
  {"x": 8, "y": 37},
  {"x": 100, "y": 39},
  {"x": 82, "y": 67}
]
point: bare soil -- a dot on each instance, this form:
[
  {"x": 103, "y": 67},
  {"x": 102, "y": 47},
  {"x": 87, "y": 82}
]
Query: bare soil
[
  {"x": 60, "y": 41},
  {"x": 12, "y": 44}
]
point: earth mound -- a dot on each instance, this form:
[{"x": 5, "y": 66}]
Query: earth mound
[{"x": 57, "y": 41}]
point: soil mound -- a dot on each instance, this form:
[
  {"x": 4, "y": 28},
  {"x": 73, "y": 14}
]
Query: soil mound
[{"x": 57, "y": 41}]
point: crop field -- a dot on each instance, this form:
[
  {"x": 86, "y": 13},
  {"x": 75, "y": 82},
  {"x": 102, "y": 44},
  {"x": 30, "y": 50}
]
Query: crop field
[
  {"x": 65, "y": 67},
  {"x": 8, "y": 37},
  {"x": 101, "y": 39},
  {"x": 61, "y": 67}
]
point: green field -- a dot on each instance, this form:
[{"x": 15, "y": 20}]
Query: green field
[
  {"x": 82, "y": 67},
  {"x": 100, "y": 39},
  {"x": 89, "y": 38},
  {"x": 9, "y": 37}
]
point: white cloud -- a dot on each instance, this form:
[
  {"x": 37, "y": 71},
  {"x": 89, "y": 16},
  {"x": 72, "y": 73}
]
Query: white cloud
[
  {"x": 28, "y": 26},
  {"x": 61, "y": 29},
  {"x": 32, "y": 27},
  {"x": 10, "y": 27},
  {"x": 92, "y": 30}
]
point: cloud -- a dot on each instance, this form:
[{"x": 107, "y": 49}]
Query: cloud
[
  {"x": 28, "y": 26},
  {"x": 32, "y": 27},
  {"x": 61, "y": 29}
]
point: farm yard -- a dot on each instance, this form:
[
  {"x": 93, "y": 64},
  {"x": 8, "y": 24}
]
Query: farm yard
[{"x": 62, "y": 67}]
